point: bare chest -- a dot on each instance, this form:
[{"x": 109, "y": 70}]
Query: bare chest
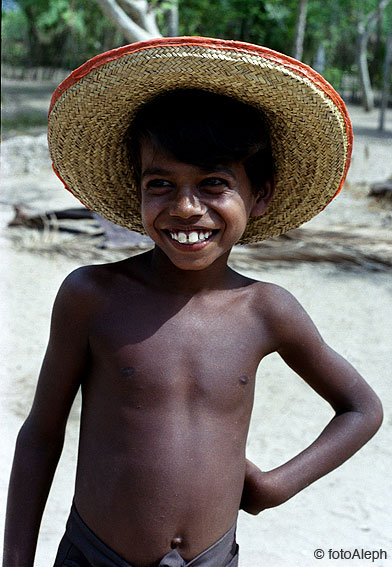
[{"x": 160, "y": 355}]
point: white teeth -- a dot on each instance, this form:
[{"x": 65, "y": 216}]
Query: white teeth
[{"x": 191, "y": 237}]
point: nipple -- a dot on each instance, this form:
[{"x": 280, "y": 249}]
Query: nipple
[
  {"x": 127, "y": 372},
  {"x": 176, "y": 542},
  {"x": 244, "y": 380}
]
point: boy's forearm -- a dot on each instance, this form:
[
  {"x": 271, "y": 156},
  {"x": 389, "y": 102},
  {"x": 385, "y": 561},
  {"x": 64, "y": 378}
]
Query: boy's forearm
[
  {"x": 343, "y": 436},
  {"x": 31, "y": 477}
]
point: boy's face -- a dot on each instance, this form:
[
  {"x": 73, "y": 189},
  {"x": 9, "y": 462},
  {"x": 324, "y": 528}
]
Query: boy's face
[{"x": 193, "y": 215}]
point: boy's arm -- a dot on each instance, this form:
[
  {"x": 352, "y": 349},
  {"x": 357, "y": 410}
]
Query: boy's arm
[
  {"x": 358, "y": 411},
  {"x": 40, "y": 440}
]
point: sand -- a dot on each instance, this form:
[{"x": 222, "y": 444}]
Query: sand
[{"x": 348, "y": 509}]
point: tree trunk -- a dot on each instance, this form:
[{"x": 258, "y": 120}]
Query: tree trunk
[
  {"x": 145, "y": 29},
  {"x": 366, "y": 87},
  {"x": 142, "y": 13},
  {"x": 298, "y": 46},
  {"x": 34, "y": 44},
  {"x": 171, "y": 17},
  {"x": 386, "y": 79},
  {"x": 378, "y": 47},
  {"x": 365, "y": 24},
  {"x": 319, "y": 61}
]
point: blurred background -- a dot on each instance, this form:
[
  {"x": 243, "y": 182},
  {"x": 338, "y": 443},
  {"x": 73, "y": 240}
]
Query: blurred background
[{"x": 347, "y": 41}]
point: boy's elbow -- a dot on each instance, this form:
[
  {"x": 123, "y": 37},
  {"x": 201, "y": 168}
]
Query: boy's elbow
[
  {"x": 378, "y": 413},
  {"x": 374, "y": 415},
  {"x": 33, "y": 437}
]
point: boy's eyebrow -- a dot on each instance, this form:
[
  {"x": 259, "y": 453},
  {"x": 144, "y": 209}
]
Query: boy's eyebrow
[
  {"x": 218, "y": 168},
  {"x": 155, "y": 171},
  {"x": 205, "y": 169}
]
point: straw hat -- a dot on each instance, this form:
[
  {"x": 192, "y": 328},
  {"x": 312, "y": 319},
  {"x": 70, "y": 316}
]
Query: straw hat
[{"x": 91, "y": 110}]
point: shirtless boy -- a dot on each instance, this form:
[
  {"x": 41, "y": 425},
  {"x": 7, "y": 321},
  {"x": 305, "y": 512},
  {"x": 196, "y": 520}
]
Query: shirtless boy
[{"x": 166, "y": 344}]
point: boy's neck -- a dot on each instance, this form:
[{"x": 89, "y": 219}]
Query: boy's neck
[{"x": 169, "y": 277}]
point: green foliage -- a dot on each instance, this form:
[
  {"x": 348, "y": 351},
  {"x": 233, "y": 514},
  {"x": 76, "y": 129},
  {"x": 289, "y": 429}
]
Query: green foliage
[
  {"x": 14, "y": 34},
  {"x": 23, "y": 121},
  {"x": 56, "y": 33},
  {"x": 256, "y": 21},
  {"x": 64, "y": 33},
  {"x": 334, "y": 75}
]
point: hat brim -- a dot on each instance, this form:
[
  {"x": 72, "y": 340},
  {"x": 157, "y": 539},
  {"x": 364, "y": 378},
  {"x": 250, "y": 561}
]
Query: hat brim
[{"x": 92, "y": 109}]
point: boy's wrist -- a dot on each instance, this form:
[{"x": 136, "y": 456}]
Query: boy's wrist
[{"x": 262, "y": 490}]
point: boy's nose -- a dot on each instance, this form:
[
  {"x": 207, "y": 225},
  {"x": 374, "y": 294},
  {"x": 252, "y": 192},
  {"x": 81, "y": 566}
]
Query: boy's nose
[{"x": 186, "y": 204}]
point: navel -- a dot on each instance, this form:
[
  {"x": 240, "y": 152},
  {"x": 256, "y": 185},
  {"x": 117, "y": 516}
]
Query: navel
[
  {"x": 127, "y": 372},
  {"x": 244, "y": 380},
  {"x": 176, "y": 542}
]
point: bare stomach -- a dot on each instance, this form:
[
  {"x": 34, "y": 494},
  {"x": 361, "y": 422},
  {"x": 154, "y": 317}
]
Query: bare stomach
[{"x": 151, "y": 481}]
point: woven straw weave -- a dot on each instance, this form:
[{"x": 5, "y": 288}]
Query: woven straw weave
[{"x": 92, "y": 109}]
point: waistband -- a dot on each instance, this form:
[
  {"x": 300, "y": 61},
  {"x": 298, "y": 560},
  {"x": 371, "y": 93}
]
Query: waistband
[{"x": 223, "y": 553}]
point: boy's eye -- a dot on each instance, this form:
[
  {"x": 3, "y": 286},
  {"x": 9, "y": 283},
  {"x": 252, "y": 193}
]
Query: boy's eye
[
  {"x": 214, "y": 184},
  {"x": 158, "y": 185}
]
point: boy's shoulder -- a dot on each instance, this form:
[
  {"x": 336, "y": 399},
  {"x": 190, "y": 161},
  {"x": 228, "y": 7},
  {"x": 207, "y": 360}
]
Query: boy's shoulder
[
  {"x": 271, "y": 298},
  {"x": 85, "y": 282},
  {"x": 94, "y": 278},
  {"x": 277, "y": 309},
  {"x": 87, "y": 286}
]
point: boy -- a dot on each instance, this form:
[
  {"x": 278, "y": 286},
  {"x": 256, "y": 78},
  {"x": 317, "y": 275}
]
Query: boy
[{"x": 201, "y": 143}]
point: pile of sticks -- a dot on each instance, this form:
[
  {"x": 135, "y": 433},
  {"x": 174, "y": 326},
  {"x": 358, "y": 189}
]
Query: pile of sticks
[{"x": 340, "y": 244}]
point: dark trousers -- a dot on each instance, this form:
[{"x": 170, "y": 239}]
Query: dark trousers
[{"x": 81, "y": 548}]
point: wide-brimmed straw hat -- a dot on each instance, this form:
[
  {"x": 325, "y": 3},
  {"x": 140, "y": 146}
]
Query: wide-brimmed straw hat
[{"x": 92, "y": 109}]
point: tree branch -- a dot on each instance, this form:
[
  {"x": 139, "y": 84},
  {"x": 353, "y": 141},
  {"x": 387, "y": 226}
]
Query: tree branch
[
  {"x": 364, "y": 26},
  {"x": 371, "y": 18},
  {"x": 142, "y": 14},
  {"x": 127, "y": 26}
]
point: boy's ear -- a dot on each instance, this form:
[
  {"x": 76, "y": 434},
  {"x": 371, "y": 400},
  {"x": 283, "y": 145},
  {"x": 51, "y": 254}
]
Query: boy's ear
[{"x": 263, "y": 198}]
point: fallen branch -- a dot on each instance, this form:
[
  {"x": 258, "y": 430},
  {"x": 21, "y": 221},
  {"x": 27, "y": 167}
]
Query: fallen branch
[
  {"x": 358, "y": 246},
  {"x": 115, "y": 237},
  {"x": 381, "y": 189},
  {"x": 29, "y": 218}
]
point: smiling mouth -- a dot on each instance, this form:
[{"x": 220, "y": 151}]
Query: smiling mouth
[{"x": 191, "y": 236}]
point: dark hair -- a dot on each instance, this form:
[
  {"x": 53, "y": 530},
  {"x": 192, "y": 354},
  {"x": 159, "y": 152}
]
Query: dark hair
[{"x": 204, "y": 129}]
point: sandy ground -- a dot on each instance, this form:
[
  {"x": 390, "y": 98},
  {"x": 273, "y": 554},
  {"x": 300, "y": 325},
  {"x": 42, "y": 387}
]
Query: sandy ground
[{"x": 347, "y": 510}]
